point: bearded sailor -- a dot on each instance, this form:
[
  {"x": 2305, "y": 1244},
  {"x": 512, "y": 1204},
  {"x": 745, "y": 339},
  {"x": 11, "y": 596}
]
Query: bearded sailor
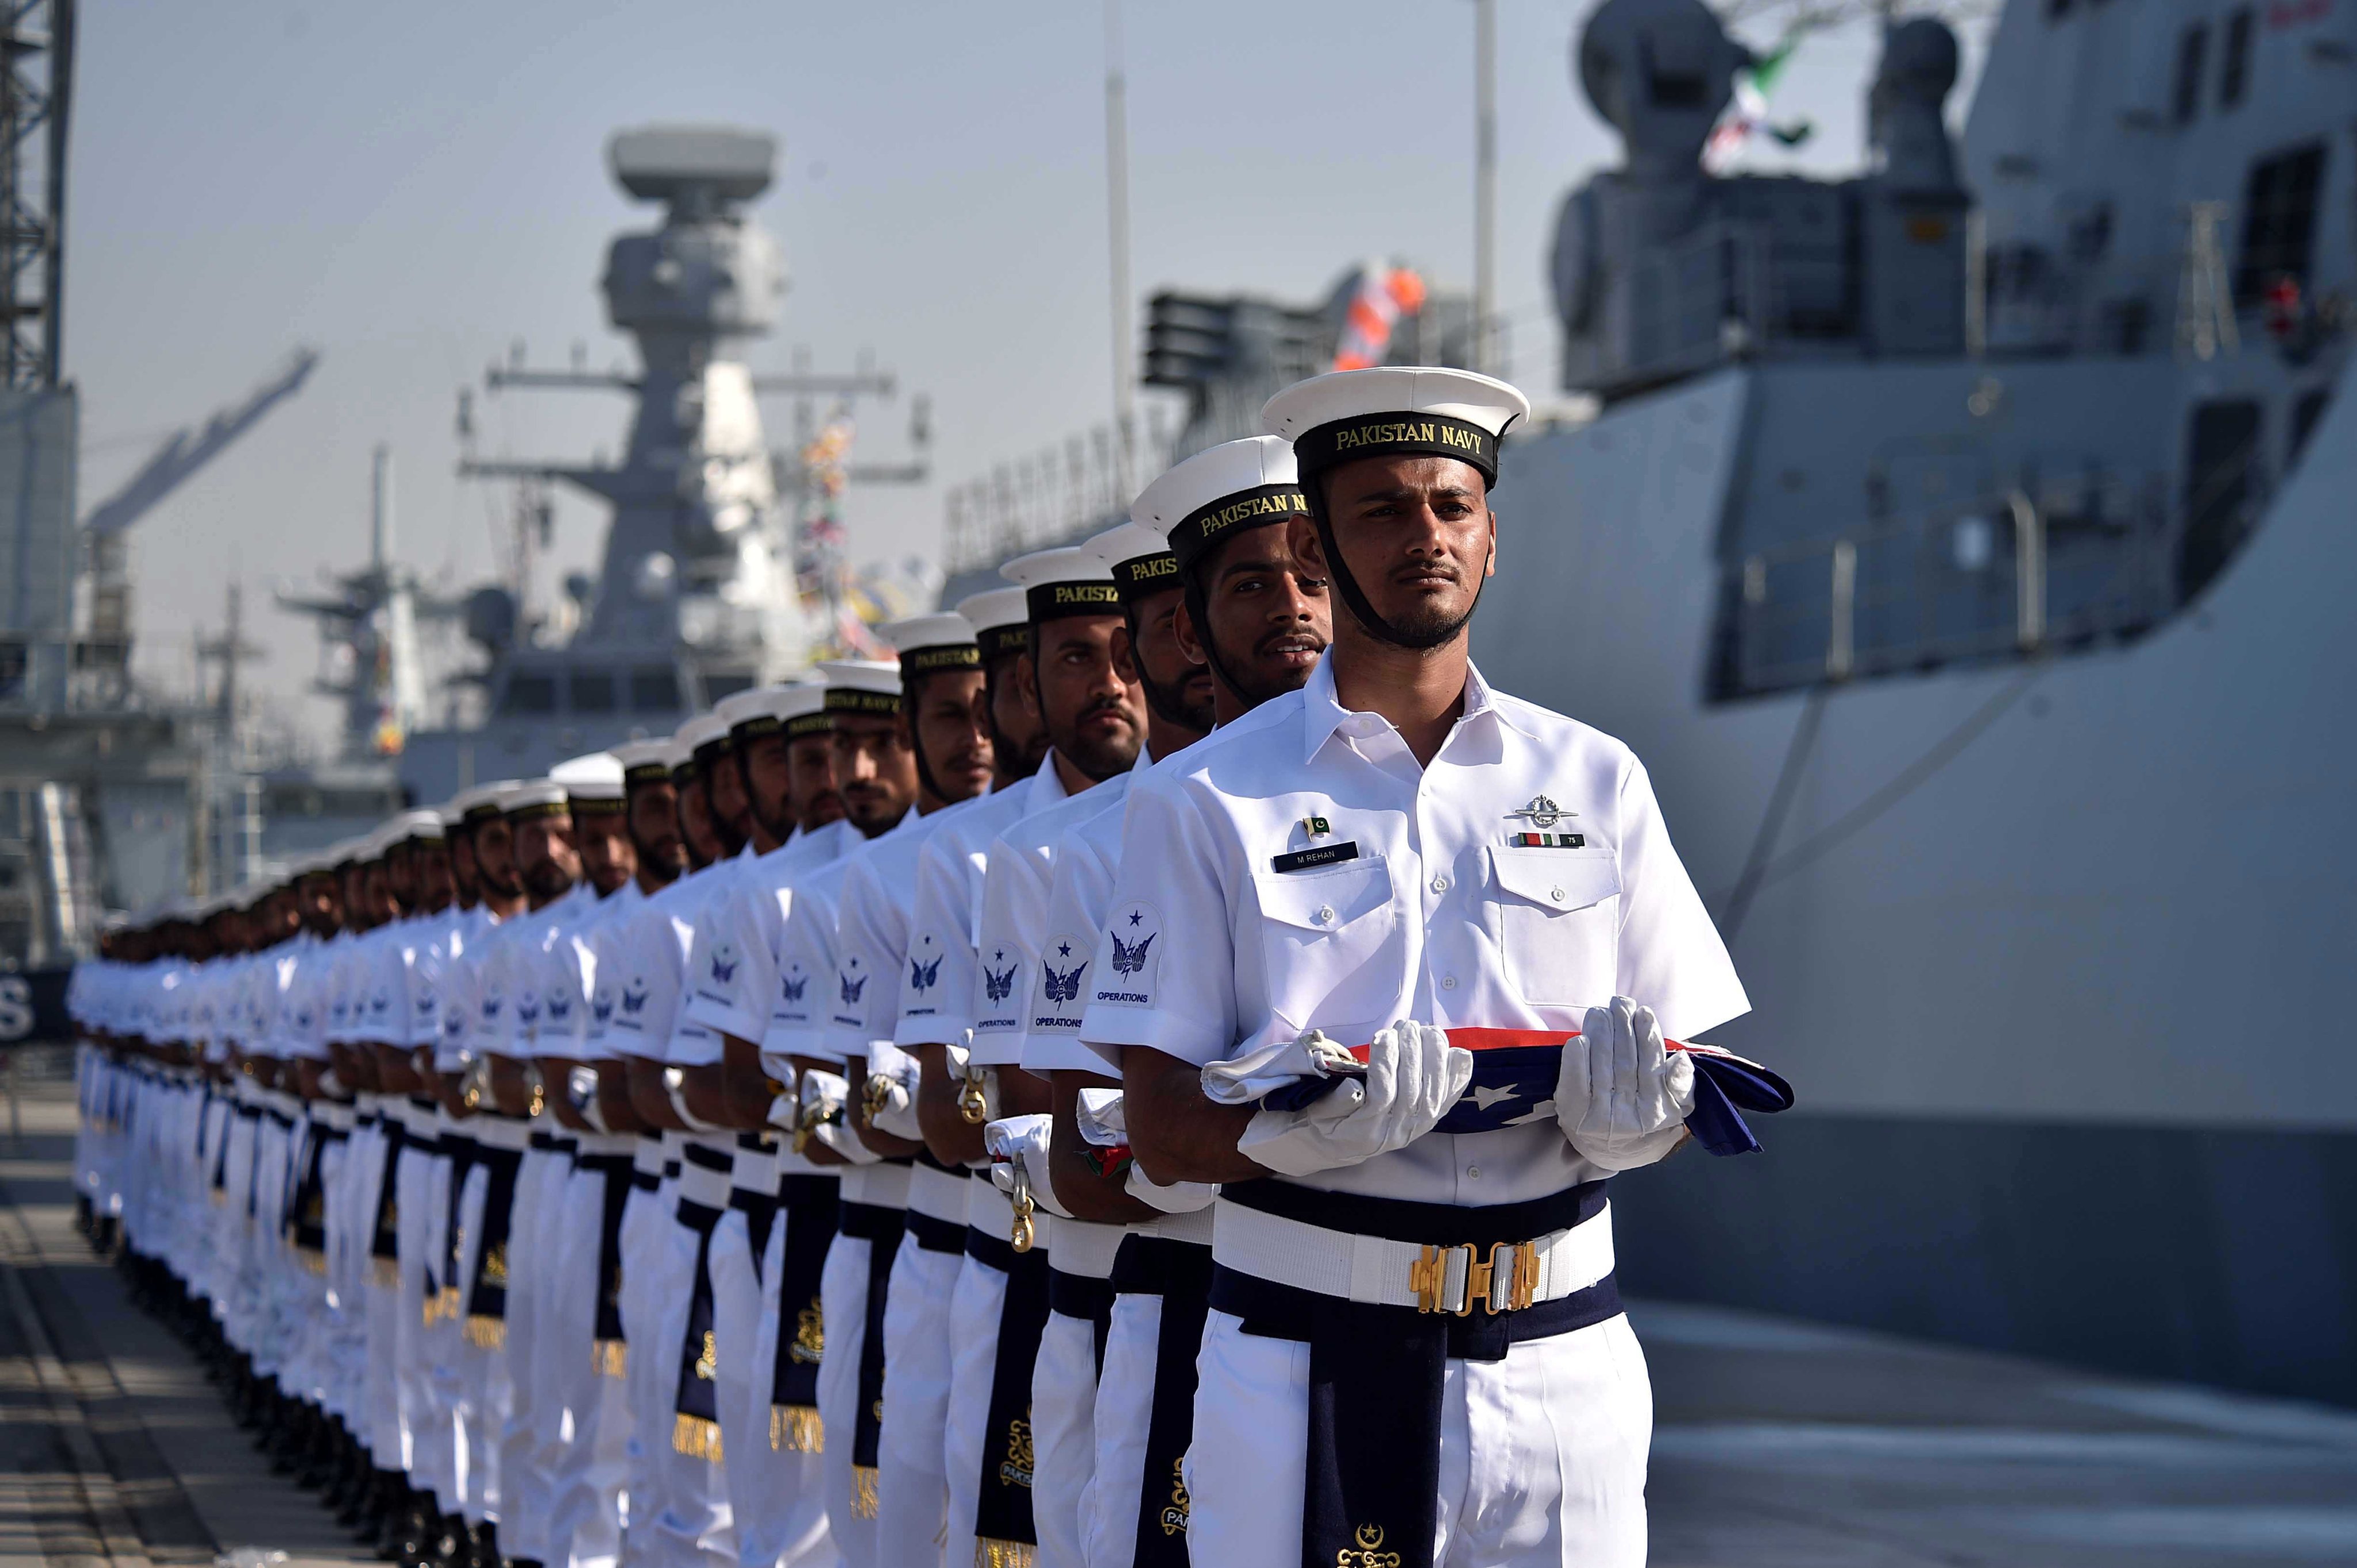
[{"x": 1415, "y": 1346}]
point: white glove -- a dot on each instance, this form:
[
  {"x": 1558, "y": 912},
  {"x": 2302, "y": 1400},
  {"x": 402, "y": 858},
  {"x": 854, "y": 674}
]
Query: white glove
[
  {"x": 1019, "y": 1144},
  {"x": 581, "y": 1092},
  {"x": 1414, "y": 1076},
  {"x": 1621, "y": 1097},
  {"x": 1275, "y": 1064},
  {"x": 892, "y": 1097},
  {"x": 823, "y": 1096},
  {"x": 845, "y": 1141}
]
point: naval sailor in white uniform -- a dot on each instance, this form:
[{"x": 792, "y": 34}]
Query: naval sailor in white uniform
[{"x": 1415, "y": 1346}]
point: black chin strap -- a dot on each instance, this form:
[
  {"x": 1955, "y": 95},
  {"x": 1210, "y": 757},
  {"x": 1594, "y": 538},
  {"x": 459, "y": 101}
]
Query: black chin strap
[{"x": 1199, "y": 610}]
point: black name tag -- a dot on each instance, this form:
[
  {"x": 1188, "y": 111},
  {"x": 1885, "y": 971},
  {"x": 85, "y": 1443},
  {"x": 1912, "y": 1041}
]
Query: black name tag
[{"x": 1324, "y": 854}]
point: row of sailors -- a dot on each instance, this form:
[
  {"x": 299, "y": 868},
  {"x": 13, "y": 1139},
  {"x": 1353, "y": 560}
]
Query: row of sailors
[{"x": 909, "y": 1117}]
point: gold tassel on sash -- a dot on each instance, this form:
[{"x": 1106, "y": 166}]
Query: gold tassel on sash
[
  {"x": 863, "y": 1491},
  {"x": 487, "y": 1333},
  {"x": 386, "y": 1272},
  {"x": 313, "y": 1261},
  {"x": 610, "y": 1356},
  {"x": 795, "y": 1428},
  {"x": 695, "y": 1438},
  {"x": 1004, "y": 1554}
]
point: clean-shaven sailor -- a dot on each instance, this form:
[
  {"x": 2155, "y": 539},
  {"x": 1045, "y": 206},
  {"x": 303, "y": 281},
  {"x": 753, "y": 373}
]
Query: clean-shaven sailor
[{"x": 1415, "y": 1346}]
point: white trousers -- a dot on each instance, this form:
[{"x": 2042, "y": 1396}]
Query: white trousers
[
  {"x": 975, "y": 1307},
  {"x": 775, "y": 1491},
  {"x": 1063, "y": 1423},
  {"x": 588, "y": 1472},
  {"x": 533, "y": 1425},
  {"x": 913, "y": 1495},
  {"x": 1109, "y": 1504},
  {"x": 1542, "y": 1454},
  {"x": 691, "y": 1526}
]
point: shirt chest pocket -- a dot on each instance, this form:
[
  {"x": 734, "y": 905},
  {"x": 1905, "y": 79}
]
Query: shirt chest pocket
[
  {"x": 1331, "y": 945},
  {"x": 1559, "y": 923}
]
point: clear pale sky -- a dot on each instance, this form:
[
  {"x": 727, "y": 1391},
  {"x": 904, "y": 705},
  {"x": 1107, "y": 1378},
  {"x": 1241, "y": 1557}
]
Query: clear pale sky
[{"x": 413, "y": 187}]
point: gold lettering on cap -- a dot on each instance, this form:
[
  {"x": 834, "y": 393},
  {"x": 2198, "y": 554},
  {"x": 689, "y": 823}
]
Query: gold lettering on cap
[{"x": 1086, "y": 594}]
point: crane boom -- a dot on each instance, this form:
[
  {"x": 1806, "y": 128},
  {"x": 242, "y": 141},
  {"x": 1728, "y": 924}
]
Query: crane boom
[{"x": 189, "y": 450}]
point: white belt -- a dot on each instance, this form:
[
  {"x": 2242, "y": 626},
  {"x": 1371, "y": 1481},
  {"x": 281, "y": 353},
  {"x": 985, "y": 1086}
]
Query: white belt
[
  {"x": 1086, "y": 1248},
  {"x": 611, "y": 1143},
  {"x": 647, "y": 1158},
  {"x": 937, "y": 1194},
  {"x": 1404, "y": 1273},
  {"x": 756, "y": 1170},
  {"x": 709, "y": 1188},
  {"x": 339, "y": 1117},
  {"x": 886, "y": 1186},
  {"x": 1195, "y": 1226},
  {"x": 499, "y": 1132}
]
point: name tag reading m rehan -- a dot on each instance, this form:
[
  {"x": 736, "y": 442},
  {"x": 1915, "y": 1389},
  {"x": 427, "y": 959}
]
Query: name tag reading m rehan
[{"x": 1307, "y": 859}]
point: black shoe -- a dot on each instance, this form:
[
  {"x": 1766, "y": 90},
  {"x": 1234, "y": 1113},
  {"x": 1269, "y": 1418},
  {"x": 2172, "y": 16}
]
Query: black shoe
[
  {"x": 405, "y": 1523},
  {"x": 483, "y": 1546}
]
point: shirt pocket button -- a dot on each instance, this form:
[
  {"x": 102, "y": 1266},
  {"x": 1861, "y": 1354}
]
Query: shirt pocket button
[{"x": 1325, "y": 915}]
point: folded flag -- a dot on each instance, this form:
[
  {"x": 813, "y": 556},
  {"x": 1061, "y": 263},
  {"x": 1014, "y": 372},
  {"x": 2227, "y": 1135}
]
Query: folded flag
[{"x": 1514, "y": 1077}]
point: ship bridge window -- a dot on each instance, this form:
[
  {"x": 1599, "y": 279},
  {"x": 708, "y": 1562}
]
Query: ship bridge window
[
  {"x": 2234, "y": 71},
  {"x": 654, "y": 688},
  {"x": 591, "y": 691},
  {"x": 2192, "y": 54},
  {"x": 2221, "y": 490},
  {"x": 528, "y": 694},
  {"x": 2278, "y": 222}
]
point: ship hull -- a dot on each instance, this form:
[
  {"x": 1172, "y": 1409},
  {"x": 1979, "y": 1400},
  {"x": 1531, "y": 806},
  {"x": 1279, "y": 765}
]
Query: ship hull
[{"x": 2053, "y": 951}]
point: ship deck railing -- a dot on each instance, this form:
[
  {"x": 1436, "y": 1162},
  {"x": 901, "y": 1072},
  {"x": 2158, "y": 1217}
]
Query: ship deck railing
[{"x": 2014, "y": 573}]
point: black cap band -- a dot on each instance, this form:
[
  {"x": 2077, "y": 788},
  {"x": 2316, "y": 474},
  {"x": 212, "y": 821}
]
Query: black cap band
[
  {"x": 754, "y": 725},
  {"x": 540, "y": 809},
  {"x": 648, "y": 773},
  {"x": 1397, "y": 434},
  {"x": 712, "y": 750},
  {"x": 480, "y": 812},
  {"x": 802, "y": 724},
  {"x": 938, "y": 657},
  {"x": 859, "y": 699},
  {"x": 1054, "y": 601},
  {"x": 999, "y": 642},
  {"x": 1141, "y": 574},
  {"x": 1218, "y": 521}
]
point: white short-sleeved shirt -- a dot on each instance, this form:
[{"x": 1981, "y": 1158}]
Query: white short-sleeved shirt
[
  {"x": 740, "y": 932},
  {"x": 570, "y": 980},
  {"x": 946, "y": 922},
  {"x": 303, "y": 998},
  {"x": 530, "y": 962},
  {"x": 642, "y": 954},
  {"x": 1018, "y": 973},
  {"x": 1298, "y": 869},
  {"x": 1078, "y": 895},
  {"x": 449, "y": 966},
  {"x": 871, "y": 937}
]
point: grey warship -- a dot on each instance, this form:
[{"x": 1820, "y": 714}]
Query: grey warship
[{"x": 1965, "y": 546}]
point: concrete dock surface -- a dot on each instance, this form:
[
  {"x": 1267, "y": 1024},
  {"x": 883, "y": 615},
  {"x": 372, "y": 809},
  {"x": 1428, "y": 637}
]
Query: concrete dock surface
[{"x": 1777, "y": 1443}]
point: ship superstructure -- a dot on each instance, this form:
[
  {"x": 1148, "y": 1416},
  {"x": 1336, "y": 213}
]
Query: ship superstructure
[
  {"x": 1964, "y": 547},
  {"x": 698, "y": 592}
]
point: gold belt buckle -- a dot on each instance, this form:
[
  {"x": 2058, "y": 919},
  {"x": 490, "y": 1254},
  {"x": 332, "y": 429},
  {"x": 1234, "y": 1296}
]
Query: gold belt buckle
[{"x": 1507, "y": 1281}]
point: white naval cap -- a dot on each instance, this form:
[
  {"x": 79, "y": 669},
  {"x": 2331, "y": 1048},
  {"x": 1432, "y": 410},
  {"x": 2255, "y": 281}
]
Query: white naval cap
[
  {"x": 421, "y": 824},
  {"x": 699, "y": 731},
  {"x": 534, "y": 797},
  {"x": 1220, "y": 491},
  {"x": 1001, "y": 621},
  {"x": 479, "y": 803},
  {"x": 592, "y": 779},
  {"x": 1138, "y": 558},
  {"x": 944, "y": 641},
  {"x": 1065, "y": 581},
  {"x": 762, "y": 710},
  {"x": 649, "y": 761},
  {"x": 1413, "y": 411},
  {"x": 860, "y": 686}
]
